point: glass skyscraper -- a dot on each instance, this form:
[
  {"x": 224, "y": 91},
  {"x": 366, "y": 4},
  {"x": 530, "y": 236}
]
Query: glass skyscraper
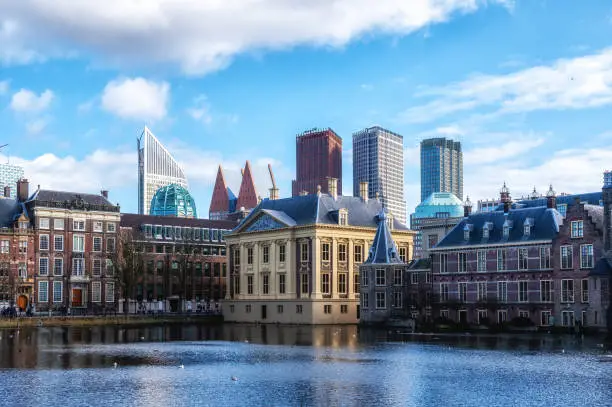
[
  {"x": 9, "y": 175},
  {"x": 378, "y": 159},
  {"x": 441, "y": 167}
]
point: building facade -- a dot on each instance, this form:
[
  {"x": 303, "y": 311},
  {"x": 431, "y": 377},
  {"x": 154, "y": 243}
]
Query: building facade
[
  {"x": 378, "y": 159},
  {"x": 318, "y": 158},
  {"x": 173, "y": 200},
  {"x": 9, "y": 175},
  {"x": 156, "y": 168},
  {"x": 296, "y": 260},
  {"x": 441, "y": 167}
]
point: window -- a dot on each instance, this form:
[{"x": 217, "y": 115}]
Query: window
[
  {"x": 365, "y": 280},
  {"x": 466, "y": 234},
  {"x": 584, "y": 289},
  {"x": 583, "y": 317},
  {"x": 544, "y": 257},
  {"x": 96, "y": 291},
  {"x": 97, "y": 244},
  {"x": 78, "y": 267},
  {"x": 78, "y": 225},
  {"x": 58, "y": 243},
  {"x": 327, "y": 309},
  {"x": 443, "y": 292},
  {"x": 523, "y": 258},
  {"x": 443, "y": 263},
  {"x": 43, "y": 291},
  {"x": 462, "y": 262},
  {"x": 380, "y": 277},
  {"x": 397, "y": 277},
  {"x": 58, "y": 266},
  {"x": 502, "y": 316},
  {"x": 248, "y": 308},
  {"x": 249, "y": 284},
  {"x": 281, "y": 253},
  {"x": 304, "y": 252},
  {"x": 110, "y": 268},
  {"x": 527, "y": 230},
  {"x": 279, "y": 309},
  {"x": 356, "y": 283},
  {"x": 414, "y": 278},
  {"x": 281, "y": 283},
  {"x": 545, "y": 318},
  {"x": 562, "y": 208},
  {"x": 43, "y": 223},
  {"x": 342, "y": 253},
  {"x": 96, "y": 267},
  {"x": 481, "y": 256},
  {"x": 344, "y": 309},
  {"x": 577, "y": 229},
  {"x": 485, "y": 232},
  {"x": 22, "y": 270},
  {"x": 432, "y": 241},
  {"x": 502, "y": 291},
  {"x": 482, "y": 315},
  {"x": 110, "y": 227},
  {"x": 506, "y": 231},
  {"x": 381, "y": 300},
  {"x": 58, "y": 224},
  {"x": 428, "y": 277},
  {"x": 266, "y": 254},
  {"x": 266, "y": 284},
  {"x": 250, "y": 255},
  {"x": 57, "y": 292},
  {"x": 567, "y": 290},
  {"x": 110, "y": 292},
  {"x": 567, "y": 318},
  {"x": 98, "y": 227},
  {"x": 325, "y": 283},
  {"x": 397, "y": 299},
  {"x": 501, "y": 259},
  {"x": 523, "y": 314},
  {"x": 23, "y": 246},
  {"x": 43, "y": 266},
  {"x": 298, "y": 309},
  {"x": 462, "y": 286},
  {"x": 567, "y": 261},
  {"x": 359, "y": 253},
  {"x": 402, "y": 254},
  {"x": 546, "y": 288},
  {"x": 305, "y": 283},
  {"x": 481, "y": 294},
  {"x": 365, "y": 301},
  {"x": 78, "y": 243},
  {"x": 342, "y": 283},
  {"x": 586, "y": 256},
  {"x": 43, "y": 242},
  {"x": 110, "y": 245},
  {"x": 5, "y": 246},
  {"x": 343, "y": 218},
  {"x": 444, "y": 314},
  {"x": 522, "y": 291},
  {"x": 325, "y": 251}
]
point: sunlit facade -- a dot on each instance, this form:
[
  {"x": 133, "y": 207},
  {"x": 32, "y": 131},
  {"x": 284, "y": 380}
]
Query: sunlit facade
[{"x": 156, "y": 168}]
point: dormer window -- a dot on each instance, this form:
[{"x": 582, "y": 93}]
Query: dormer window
[
  {"x": 485, "y": 232},
  {"x": 506, "y": 231},
  {"x": 466, "y": 232},
  {"x": 527, "y": 230},
  {"x": 389, "y": 221},
  {"x": 343, "y": 217}
]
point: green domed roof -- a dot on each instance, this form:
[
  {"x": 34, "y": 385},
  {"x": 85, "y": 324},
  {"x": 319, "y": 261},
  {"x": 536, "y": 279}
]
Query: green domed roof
[
  {"x": 439, "y": 203},
  {"x": 173, "y": 200}
]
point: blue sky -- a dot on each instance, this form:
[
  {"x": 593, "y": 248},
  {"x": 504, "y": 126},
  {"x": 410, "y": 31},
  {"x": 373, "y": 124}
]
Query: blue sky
[{"x": 526, "y": 85}]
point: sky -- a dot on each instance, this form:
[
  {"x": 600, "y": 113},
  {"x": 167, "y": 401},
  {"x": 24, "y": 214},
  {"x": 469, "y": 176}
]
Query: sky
[{"x": 525, "y": 85}]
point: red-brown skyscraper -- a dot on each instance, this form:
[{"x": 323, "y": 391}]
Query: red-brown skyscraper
[{"x": 318, "y": 158}]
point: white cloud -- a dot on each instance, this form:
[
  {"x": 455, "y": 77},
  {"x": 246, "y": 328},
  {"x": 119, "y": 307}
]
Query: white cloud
[
  {"x": 578, "y": 83},
  {"x": 85, "y": 106},
  {"x": 203, "y": 36},
  {"x": 200, "y": 110},
  {"x": 37, "y": 126},
  {"x": 519, "y": 145},
  {"x": 27, "y": 101},
  {"x": 13, "y": 51},
  {"x": 4, "y": 87},
  {"x": 136, "y": 98},
  {"x": 450, "y": 131}
]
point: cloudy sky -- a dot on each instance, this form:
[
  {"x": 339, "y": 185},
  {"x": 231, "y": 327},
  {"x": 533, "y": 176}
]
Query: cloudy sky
[{"x": 526, "y": 85}]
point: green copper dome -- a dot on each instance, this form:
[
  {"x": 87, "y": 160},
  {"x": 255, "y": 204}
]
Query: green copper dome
[
  {"x": 439, "y": 204},
  {"x": 173, "y": 200}
]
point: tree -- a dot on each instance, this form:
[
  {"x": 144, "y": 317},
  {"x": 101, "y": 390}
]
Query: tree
[{"x": 128, "y": 264}]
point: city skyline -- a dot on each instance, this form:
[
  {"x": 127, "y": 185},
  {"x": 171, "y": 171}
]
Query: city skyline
[{"x": 73, "y": 128}]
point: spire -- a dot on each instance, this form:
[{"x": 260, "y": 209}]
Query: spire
[
  {"x": 247, "y": 195},
  {"x": 220, "y": 198},
  {"x": 383, "y": 249}
]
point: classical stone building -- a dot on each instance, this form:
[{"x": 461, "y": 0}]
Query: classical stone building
[{"x": 296, "y": 260}]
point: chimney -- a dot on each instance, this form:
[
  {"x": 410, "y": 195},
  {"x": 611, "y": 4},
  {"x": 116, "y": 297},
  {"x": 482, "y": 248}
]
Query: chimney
[
  {"x": 363, "y": 191},
  {"x": 273, "y": 194},
  {"x": 7, "y": 191},
  {"x": 104, "y": 193},
  {"x": 607, "y": 201},
  {"x": 333, "y": 187},
  {"x": 504, "y": 197},
  {"x": 23, "y": 187},
  {"x": 551, "y": 198},
  {"x": 467, "y": 208}
]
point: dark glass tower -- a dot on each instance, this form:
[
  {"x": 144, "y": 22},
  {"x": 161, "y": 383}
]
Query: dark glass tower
[{"x": 441, "y": 167}]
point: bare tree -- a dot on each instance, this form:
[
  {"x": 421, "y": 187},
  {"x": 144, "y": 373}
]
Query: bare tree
[{"x": 128, "y": 264}]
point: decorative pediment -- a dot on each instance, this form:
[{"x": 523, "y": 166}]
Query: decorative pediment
[{"x": 264, "y": 222}]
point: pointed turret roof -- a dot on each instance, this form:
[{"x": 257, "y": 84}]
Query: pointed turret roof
[
  {"x": 247, "y": 196},
  {"x": 220, "y": 197},
  {"x": 383, "y": 249}
]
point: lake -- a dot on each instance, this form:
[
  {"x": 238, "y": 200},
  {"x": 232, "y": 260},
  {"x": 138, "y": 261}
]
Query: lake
[{"x": 238, "y": 365}]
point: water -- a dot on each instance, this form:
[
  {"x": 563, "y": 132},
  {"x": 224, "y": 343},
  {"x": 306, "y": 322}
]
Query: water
[{"x": 295, "y": 366}]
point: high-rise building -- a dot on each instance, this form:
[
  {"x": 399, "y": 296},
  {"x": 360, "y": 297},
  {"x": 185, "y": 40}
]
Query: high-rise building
[
  {"x": 318, "y": 158},
  {"x": 156, "y": 168},
  {"x": 9, "y": 175},
  {"x": 378, "y": 159},
  {"x": 441, "y": 167}
]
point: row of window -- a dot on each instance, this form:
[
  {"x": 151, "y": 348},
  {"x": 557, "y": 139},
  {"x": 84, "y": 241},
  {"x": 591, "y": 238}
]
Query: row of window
[
  {"x": 195, "y": 250},
  {"x": 576, "y": 229},
  {"x": 299, "y": 309},
  {"x": 78, "y": 243},
  {"x": 343, "y": 284},
  {"x": 381, "y": 278},
  {"x": 5, "y": 246},
  {"x": 58, "y": 292},
  {"x": 380, "y": 300},
  {"x": 77, "y": 225},
  {"x": 183, "y": 233},
  {"x": 546, "y": 317},
  {"x": 78, "y": 267},
  {"x": 545, "y": 293}
]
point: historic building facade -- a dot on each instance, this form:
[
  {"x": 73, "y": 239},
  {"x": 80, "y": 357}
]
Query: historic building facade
[{"x": 296, "y": 260}]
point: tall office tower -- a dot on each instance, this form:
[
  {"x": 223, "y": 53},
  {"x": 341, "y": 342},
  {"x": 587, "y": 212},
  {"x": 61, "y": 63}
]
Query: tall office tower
[
  {"x": 378, "y": 159},
  {"x": 441, "y": 167},
  {"x": 9, "y": 175},
  {"x": 156, "y": 169},
  {"x": 318, "y": 158}
]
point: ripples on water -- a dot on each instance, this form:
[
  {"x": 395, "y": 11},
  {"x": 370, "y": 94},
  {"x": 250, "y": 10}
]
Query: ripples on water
[{"x": 294, "y": 366}]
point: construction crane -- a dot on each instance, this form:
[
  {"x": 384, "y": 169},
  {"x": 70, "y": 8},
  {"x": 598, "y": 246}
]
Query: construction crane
[{"x": 274, "y": 189}]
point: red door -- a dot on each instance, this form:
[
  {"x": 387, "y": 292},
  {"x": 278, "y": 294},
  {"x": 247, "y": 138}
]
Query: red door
[{"x": 77, "y": 297}]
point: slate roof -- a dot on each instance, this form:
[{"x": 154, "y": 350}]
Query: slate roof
[
  {"x": 418, "y": 264},
  {"x": 383, "y": 249},
  {"x": 596, "y": 213},
  {"x": 591, "y": 198},
  {"x": 10, "y": 210},
  {"x": 62, "y": 196},
  {"x": 545, "y": 227},
  {"x": 322, "y": 209},
  {"x": 134, "y": 220}
]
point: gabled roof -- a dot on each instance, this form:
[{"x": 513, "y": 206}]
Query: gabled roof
[
  {"x": 383, "y": 249},
  {"x": 247, "y": 195},
  {"x": 596, "y": 214},
  {"x": 545, "y": 227},
  {"x": 220, "y": 196}
]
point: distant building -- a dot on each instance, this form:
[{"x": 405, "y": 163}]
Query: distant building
[
  {"x": 173, "y": 200},
  {"x": 296, "y": 260},
  {"x": 224, "y": 205},
  {"x": 433, "y": 219},
  {"x": 441, "y": 167},
  {"x": 9, "y": 175},
  {"x": 378, "y": 159},
  {"x": 318, "y": 158},
  {"x": 156, "y": 168}
]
